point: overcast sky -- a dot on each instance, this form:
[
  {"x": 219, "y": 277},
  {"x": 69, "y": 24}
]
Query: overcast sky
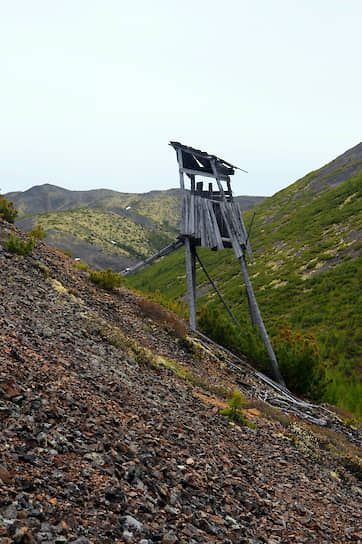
[{"x": 92, "y": 91}]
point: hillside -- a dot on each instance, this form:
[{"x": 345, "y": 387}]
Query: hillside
[
  {"x": 307, "y": 270},
  {"x": 101, "y": 227},
  {"x": 112, "y": 432}
]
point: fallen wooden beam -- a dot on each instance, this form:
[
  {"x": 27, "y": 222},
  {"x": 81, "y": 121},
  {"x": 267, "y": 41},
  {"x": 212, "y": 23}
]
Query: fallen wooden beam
[{"x": 174, "y": 246}]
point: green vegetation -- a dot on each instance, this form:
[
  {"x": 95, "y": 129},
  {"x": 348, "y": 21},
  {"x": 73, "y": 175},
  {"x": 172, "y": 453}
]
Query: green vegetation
[
  {"x": 14, "y": 244},
  {"x": 109, "y": 232},
  {"x": 81, "y": 266},
  {"x": 299, "y": 358},
  {"x": 306, "y": 273},
  {"x": 65, "y": 252},
  {"x": 299, "y": 361},
  {"x": 235, "y": 411},
  {"x": 38, "y": 233},
  {"x": 106, "y": 279},
  {"x": 7, "y": 210}
]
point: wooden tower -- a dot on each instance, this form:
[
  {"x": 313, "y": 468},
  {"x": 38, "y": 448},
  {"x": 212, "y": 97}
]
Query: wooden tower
[{"x": 211, "y": 218}]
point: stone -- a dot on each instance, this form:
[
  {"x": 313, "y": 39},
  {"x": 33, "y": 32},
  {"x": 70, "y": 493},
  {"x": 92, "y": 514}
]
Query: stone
[
  {"x": 169, "y": 538},
  {"x": 132, "y": 523}
]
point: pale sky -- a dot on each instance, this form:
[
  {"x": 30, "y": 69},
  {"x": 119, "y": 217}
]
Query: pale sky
[{"x": 92, "y": 91}]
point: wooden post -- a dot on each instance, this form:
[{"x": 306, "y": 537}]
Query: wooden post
[
  {"x": 256, "y": 315},
  {"x": 190, "y": 258},
  {"x": 180, "y": 163},
  {"x": 192, "y": 177}
]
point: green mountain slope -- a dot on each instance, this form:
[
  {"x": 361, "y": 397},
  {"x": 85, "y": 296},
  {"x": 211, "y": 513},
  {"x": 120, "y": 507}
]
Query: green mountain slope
[
  {"x": 306, "y": 272},
  {"x": 99, "y": 237}
]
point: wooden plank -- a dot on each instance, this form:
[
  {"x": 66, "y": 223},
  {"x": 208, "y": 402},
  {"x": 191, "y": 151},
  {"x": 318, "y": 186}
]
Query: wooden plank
[
  {"x": 183, "y": 213},
  {"x": 180, "y": 162},
  {"x": 192, "y": 177},
  {"x": 207, "y": 225},
  {"x": 233, "y": 238},
  {"x": 210, "y": 226},
  {"x": 238, "y": 230},
  {"x": 191, "y": 229},
  {"x": 162, "y": 253},
  {"x": 219, "y": 243},
  {"x": 218, "y": 181},
  {"x": 202, "y": 226},
  {"x": 205, "y": 220},
  {"x": 203, "y": 174},
  {"x": 198, "y": 216},
  {"x": 201, "y": 221}
]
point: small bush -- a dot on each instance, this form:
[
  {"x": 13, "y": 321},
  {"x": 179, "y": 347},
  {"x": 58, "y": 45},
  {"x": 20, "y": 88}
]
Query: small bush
[
  {"x": 15, "y": 245},
  {"x": 235, "y": 412},
  {"x": 299, "y": 361},
  {"x": 7, "y": 210},
  {"x": 38, "y": 233},
  {"x": 176, "y": 306},
  {"x": 164, "y": 316},
  {"x": 243, "y": 342},
  {"x": 80, "y": 266},
  {"x": 106, "y": 279},
  {"x": 64, "y": 251}
]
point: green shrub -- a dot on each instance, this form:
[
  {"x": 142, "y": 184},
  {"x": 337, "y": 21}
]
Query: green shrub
[
  {"x": 81, "y": 266},
  {"x": 15, "y": 245},
  {"x": 235, "y": 411},
  {"x": 7, "y": 210},
  {"x": 245, "y": 341},
  {"x": 64, "y": 251},
  {"x": 299, "y": 361},
  {"x": 176, "y": 306},
  {"x": 106, "y": 279},
  {"x": 160, "y": 313},
  {"x": 38, "y": 232}
]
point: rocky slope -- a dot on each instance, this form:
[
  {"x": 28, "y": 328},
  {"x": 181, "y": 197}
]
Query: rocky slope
[{"x": 111, "y": 430}]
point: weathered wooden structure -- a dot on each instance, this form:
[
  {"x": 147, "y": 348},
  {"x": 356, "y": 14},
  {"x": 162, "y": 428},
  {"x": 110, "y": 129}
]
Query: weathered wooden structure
[{"x": 211, "y": 218}]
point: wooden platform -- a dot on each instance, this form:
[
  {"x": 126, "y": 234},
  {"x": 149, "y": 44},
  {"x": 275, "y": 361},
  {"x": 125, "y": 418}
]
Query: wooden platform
[{"x": 213, "y": 223}]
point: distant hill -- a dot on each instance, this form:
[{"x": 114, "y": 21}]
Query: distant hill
[
  {"x": 104, "y": 228},
  {"x": 307, "y": 269}
]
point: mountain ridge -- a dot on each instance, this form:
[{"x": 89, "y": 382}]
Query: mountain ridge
[
  {"x": 47, "y": 198},
  {"x": 135, "y": 225}
]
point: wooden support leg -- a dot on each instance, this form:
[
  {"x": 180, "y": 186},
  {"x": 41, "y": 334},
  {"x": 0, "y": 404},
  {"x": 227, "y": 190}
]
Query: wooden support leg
[
  {"x": 256, "y": 315},
  {"x": 254, "y": 319},
  {"x": 190, "y": 257}
]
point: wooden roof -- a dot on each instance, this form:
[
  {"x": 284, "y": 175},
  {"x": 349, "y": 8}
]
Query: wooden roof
[{"x": 201, "y": 162}]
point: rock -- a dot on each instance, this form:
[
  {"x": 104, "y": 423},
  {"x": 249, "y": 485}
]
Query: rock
[
  {"x": 132, "y": 524},
  {"x": 5, "y": 475},
  {"x": 116, "y": 494},
  {"x": 23, "y": 536},
  {"x": 169, "y": 538}
]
